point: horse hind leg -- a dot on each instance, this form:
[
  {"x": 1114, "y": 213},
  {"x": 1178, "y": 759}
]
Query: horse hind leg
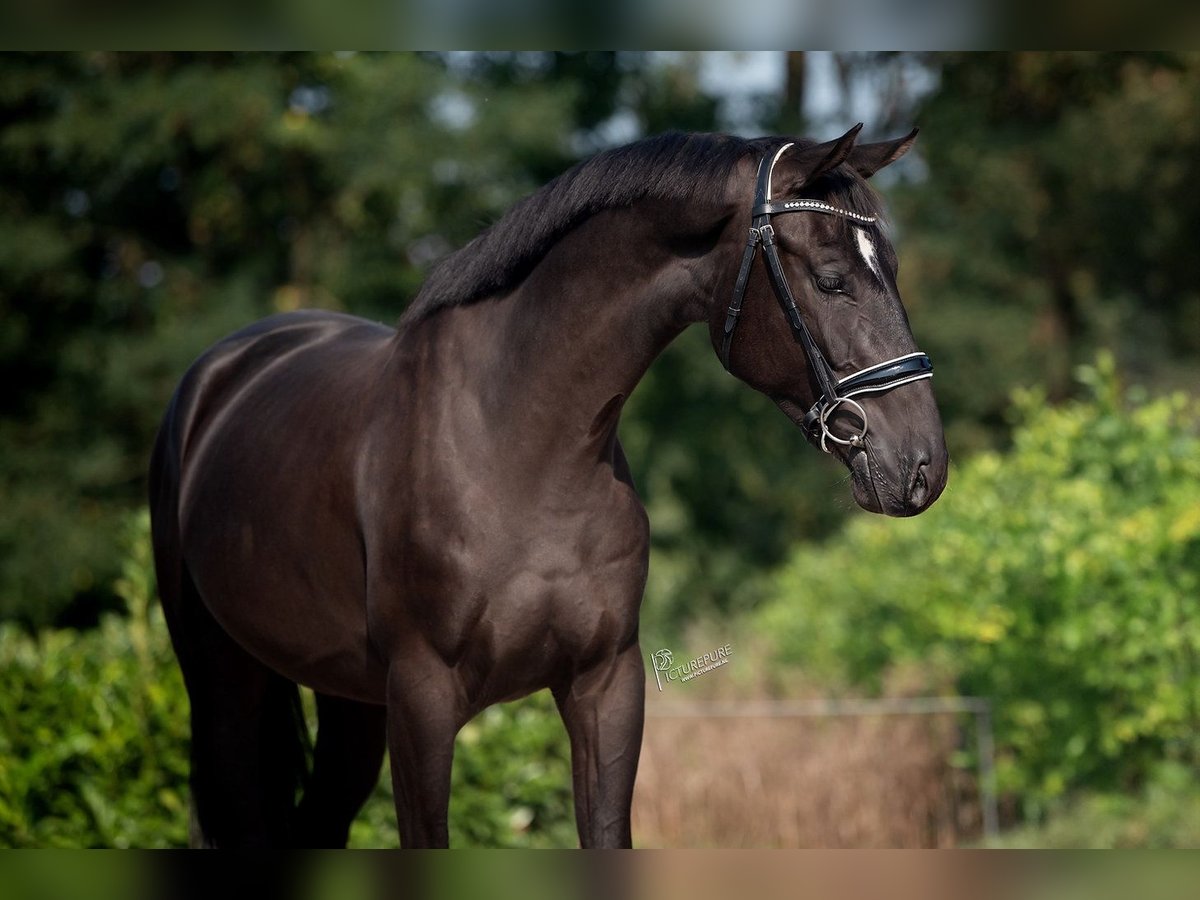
[
  {"x": 249, "y": 741},
  {"x": 351, "y": 742}
]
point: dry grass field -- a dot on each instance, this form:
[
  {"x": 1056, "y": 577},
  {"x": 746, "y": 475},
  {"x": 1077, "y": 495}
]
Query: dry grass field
[{"x": 863, "y": 782}]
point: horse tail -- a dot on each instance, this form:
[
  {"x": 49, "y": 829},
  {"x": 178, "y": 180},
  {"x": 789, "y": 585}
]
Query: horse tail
[
  {"x": 285, "y": 748},
  {"x": 250, "y": 747},
  {"x": 251, "y": 750}
]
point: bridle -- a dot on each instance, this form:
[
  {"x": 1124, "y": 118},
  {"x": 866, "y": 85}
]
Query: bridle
[{"x": 835, "y": 393}]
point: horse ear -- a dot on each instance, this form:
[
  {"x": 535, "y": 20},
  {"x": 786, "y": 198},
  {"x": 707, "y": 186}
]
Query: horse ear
[
  {"x": 867, "y": 159},
  {"x": 810, "y": 163}
]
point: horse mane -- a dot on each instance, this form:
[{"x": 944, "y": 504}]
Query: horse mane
[{"x": 671, "y": 166}]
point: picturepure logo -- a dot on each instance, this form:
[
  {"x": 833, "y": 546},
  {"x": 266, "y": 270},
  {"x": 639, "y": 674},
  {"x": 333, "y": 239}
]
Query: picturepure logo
[{"x": 663, "y": 663}]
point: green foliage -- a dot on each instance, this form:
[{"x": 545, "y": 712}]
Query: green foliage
[
  {"x": 94, "y": 743},
  {"x": 1059, "y": 579},
  {"x": 1056, "y": 217},
  {"x": 1164, "y": 814},
  {"x": 93, "y": 729},
  {"x": 510, "y": 787},
  {"x": 512, "y": 779}
]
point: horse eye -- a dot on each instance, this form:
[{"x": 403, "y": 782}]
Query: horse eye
[{"x": 830, "y": 284}]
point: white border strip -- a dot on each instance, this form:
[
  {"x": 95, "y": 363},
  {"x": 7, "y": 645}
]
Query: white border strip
[{"x": 771, "y": 171}]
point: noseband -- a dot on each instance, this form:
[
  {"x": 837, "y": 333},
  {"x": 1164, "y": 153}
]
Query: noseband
[{"x": 835, "y": 393}]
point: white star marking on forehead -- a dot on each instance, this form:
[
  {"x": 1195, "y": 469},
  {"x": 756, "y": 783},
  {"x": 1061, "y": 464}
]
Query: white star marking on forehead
[{"x": 867, "y": 248}]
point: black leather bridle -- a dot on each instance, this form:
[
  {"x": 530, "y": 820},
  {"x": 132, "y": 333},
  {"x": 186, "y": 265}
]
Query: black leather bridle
[{"x": 835, "y": 392}]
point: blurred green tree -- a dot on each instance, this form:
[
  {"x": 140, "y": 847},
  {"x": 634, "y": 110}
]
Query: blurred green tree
[
  {"x": 150, "y": 203},
  {"x": 1056, "y": 216}
]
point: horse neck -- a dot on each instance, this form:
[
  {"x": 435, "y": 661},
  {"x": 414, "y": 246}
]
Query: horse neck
[{"x": 551, "y": 363}]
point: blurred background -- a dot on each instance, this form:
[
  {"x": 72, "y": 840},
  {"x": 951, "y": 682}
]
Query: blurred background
[{"x": 1047, "y": 229}]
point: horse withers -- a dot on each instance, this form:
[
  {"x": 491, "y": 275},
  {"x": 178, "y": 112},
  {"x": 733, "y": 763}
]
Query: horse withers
[{"x": 420, "y": 522}]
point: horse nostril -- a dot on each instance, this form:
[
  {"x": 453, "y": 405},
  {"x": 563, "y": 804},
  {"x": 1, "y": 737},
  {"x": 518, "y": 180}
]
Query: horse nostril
[{"x": 918, "y": 489}]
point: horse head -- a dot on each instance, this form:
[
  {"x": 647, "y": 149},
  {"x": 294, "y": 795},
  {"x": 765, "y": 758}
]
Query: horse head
[{"x": 816, "y": 323}]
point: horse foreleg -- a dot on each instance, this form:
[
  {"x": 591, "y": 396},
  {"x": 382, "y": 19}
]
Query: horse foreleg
[
  {"x": 603, "y": 709},
  {"x": 424, "y": 708}
]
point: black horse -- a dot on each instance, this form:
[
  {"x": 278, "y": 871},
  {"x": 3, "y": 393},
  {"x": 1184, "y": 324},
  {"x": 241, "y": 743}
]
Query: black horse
[{"x": 423, "y": 521}]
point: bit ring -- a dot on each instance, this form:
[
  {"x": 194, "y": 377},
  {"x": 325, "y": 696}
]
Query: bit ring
[{"x": 827, "y": 435}]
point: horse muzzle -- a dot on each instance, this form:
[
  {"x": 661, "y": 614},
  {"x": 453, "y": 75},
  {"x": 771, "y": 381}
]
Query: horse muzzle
[{"x": 897, "y": 483}]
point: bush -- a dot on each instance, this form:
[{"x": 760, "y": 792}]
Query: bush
[
  {"x": 1059, "y": 579},
  {"x": 94, "y": 743},
  {"x": 511, "y": 784},
  {"x": 94, "y": 728},
  {"x": 1164, "y": 814}
]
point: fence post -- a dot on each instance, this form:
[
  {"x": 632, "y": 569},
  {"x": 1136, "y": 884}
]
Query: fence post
[{"x": 986, "y": 747}]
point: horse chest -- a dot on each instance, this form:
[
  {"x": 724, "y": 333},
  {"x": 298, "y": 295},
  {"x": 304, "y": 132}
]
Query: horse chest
[{"x": 524, "y": 596}]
